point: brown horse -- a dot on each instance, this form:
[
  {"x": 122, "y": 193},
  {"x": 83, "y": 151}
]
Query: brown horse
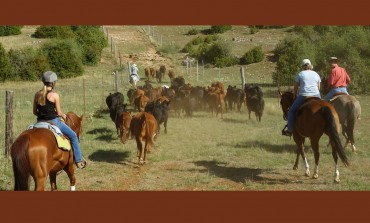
[
  {"x": 349, "y": 111},
  {"x": 35, "y": 152},
  {"x": 314, "y": 118}
]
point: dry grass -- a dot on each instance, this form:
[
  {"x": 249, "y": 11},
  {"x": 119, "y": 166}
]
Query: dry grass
[{"x": 198, "y": 153}]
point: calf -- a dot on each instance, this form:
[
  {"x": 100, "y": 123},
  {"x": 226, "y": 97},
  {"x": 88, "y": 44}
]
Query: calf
[
  {"x": 140, "y": 102},
  {"x": 124, "y": 122},
  {"x": 114, "y": 100},
  {"x": 143, "y": 127},
  {"x": 254, "y": 101},
  {"x": 159, "y": 109},
  {"x": 234, "y": 96}
]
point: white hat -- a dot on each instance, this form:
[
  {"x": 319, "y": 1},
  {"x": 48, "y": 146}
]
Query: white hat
[
  {"x": 334, "y": 59},
  {"x": 305, "y": 62},
  {"x": 134, "y": 65}
]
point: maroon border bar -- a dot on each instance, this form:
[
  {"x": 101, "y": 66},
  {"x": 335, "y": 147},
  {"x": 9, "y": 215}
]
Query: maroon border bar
[
  {"x": 184, "y": 206},
  {"x": 196, "y": 12}
]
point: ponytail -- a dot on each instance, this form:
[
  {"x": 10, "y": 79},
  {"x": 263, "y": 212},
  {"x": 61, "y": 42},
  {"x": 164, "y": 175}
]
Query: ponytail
[{"x": 41, "y": 99}]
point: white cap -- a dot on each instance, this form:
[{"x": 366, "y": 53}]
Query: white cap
[
  {"x": 134, "y": 65},
  {"x": 305, "y": 62},
  {"x": 333, "y": 59}
]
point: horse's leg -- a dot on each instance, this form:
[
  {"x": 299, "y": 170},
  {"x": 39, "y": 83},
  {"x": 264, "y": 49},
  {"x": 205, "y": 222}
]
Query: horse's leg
[
  {"x": 165, "y": 126},
  {"x": 315, "y": 148},
  {"x": 146, "y": 149},
  {"x": 300, "y": 151},
  {"x": 139, "y": 149},
  {"x": 336, "y": 171},
  {"x": 53, "y": 181},
  {"x": 40, "y": 175}
]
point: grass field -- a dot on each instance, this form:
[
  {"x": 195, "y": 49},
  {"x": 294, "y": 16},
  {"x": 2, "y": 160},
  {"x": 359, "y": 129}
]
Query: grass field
[{"x": 199, "y": 153}]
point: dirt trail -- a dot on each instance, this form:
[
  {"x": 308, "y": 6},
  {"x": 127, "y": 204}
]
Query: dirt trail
[{"x": 127, "y": 38}]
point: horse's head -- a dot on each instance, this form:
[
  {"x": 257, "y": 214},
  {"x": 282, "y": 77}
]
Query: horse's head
[
  {"x": 74, "y": 122},
  {"x": 286, "y": 101}
]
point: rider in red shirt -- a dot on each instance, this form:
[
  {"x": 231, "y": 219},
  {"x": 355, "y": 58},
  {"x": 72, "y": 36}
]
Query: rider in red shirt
[{"x": 338, "y": 79}]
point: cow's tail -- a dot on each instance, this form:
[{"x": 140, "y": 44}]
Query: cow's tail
[
  {"x": 21, "y": 167},
  {"x": 332, "y": 131}
]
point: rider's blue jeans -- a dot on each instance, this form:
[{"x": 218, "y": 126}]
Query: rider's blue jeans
[
  {"x": 293, "y": 109},
  {"x": 72, "y": 136}
]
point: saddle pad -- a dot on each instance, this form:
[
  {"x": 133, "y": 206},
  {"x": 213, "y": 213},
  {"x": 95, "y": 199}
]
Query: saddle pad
[{"x": 62, "y": 142}]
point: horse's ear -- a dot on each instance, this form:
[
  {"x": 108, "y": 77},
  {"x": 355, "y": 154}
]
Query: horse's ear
[
  {"x": 279, "y": 92},
  {"x": 82, "y": 117}
]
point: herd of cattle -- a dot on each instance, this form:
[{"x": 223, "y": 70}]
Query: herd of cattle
[{"x": 152, "y": 104}]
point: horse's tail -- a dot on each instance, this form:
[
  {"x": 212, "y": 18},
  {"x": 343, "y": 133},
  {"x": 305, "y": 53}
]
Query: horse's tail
[
  {"x": 353, "y": 115},
  {"x": 21, "y": 167},
  {"x": 332, "y": 131}
]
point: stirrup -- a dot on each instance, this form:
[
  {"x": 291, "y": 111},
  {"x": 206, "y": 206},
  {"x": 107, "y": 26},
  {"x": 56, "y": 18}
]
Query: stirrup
[
  {"x": 286, "y": 133},
  {"x": 82, "y": 164}
]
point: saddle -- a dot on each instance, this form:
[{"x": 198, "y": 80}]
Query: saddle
[
  {"x": 62, "y": 141},
  {"x": 336, "y": 95}
]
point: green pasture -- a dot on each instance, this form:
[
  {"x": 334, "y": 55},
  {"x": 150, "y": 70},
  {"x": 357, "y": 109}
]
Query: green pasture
[{"x": 198, "y": 153}]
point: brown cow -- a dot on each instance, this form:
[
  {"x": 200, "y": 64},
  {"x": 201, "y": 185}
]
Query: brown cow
[
  {"x": 143, "y": 127},
  {"x": 149, "y": 72},
  {"x": 140, "y": 102},
  {"x": 171, "y": 74},
  {"x": 124, "y": 121},
  {"x": 216, "y": 100}
]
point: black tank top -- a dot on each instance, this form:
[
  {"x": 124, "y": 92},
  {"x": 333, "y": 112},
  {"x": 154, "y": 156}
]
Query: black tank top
[{"x": 47, "y": 111}]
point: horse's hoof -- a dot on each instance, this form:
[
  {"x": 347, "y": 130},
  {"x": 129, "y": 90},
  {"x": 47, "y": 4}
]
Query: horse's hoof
[
  {"x": 315, "y": 176},
  {"x": 336, "y": 180},
  {"x": 295, "y": 167},
  {"x": 307, "y": 174}
]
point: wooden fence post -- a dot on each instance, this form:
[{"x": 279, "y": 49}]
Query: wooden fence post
[
  {"x": 84, "y": 95},
  {"x": 129, "y": 70},
  {"x": 242, "y": 76},
  {"x": 9, "y": 122}
]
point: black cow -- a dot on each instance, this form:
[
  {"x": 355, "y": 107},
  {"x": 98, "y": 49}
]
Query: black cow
[
  {"x": 160, "y": 112},
  {"x": 254, "y": 100},
  {"x": 116, "y": 107},
  {"x": 236, "y": 96},
  {"x": 114, "y": 100},
  {"x": 198, "y": 93}
]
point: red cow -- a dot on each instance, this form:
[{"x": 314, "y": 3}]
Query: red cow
[
  {"x": 143, "y": 127},
  {"x": 140, "y": 102},
  {"x": 124, "y": 122}
]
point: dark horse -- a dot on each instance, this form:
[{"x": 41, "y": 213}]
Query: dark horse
[
  {"x": 314, "y": 118},
  {"x": 35, "y": 152}
]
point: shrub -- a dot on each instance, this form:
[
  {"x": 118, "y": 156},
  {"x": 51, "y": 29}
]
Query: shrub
[
  {"x": 290, "y": 53},
  {"x": 193, "y": 31},
  {"x": 255, "y": 55},
  {"x": 10, "y": 30},
  {"x": 64, "y": 57},
  {"x": 220, "y": 29},
  {"x": 92, "y": 42},
  {"x": 226, "y": 61},
  {"x": 5, "y": 67},
  {"x": 253, "y": 29},
  {"x": 62, "y": 32},
  {"x": 27, "y": 64}
]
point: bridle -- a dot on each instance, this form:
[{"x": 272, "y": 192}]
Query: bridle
[{"x": 286, "y": 101}]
